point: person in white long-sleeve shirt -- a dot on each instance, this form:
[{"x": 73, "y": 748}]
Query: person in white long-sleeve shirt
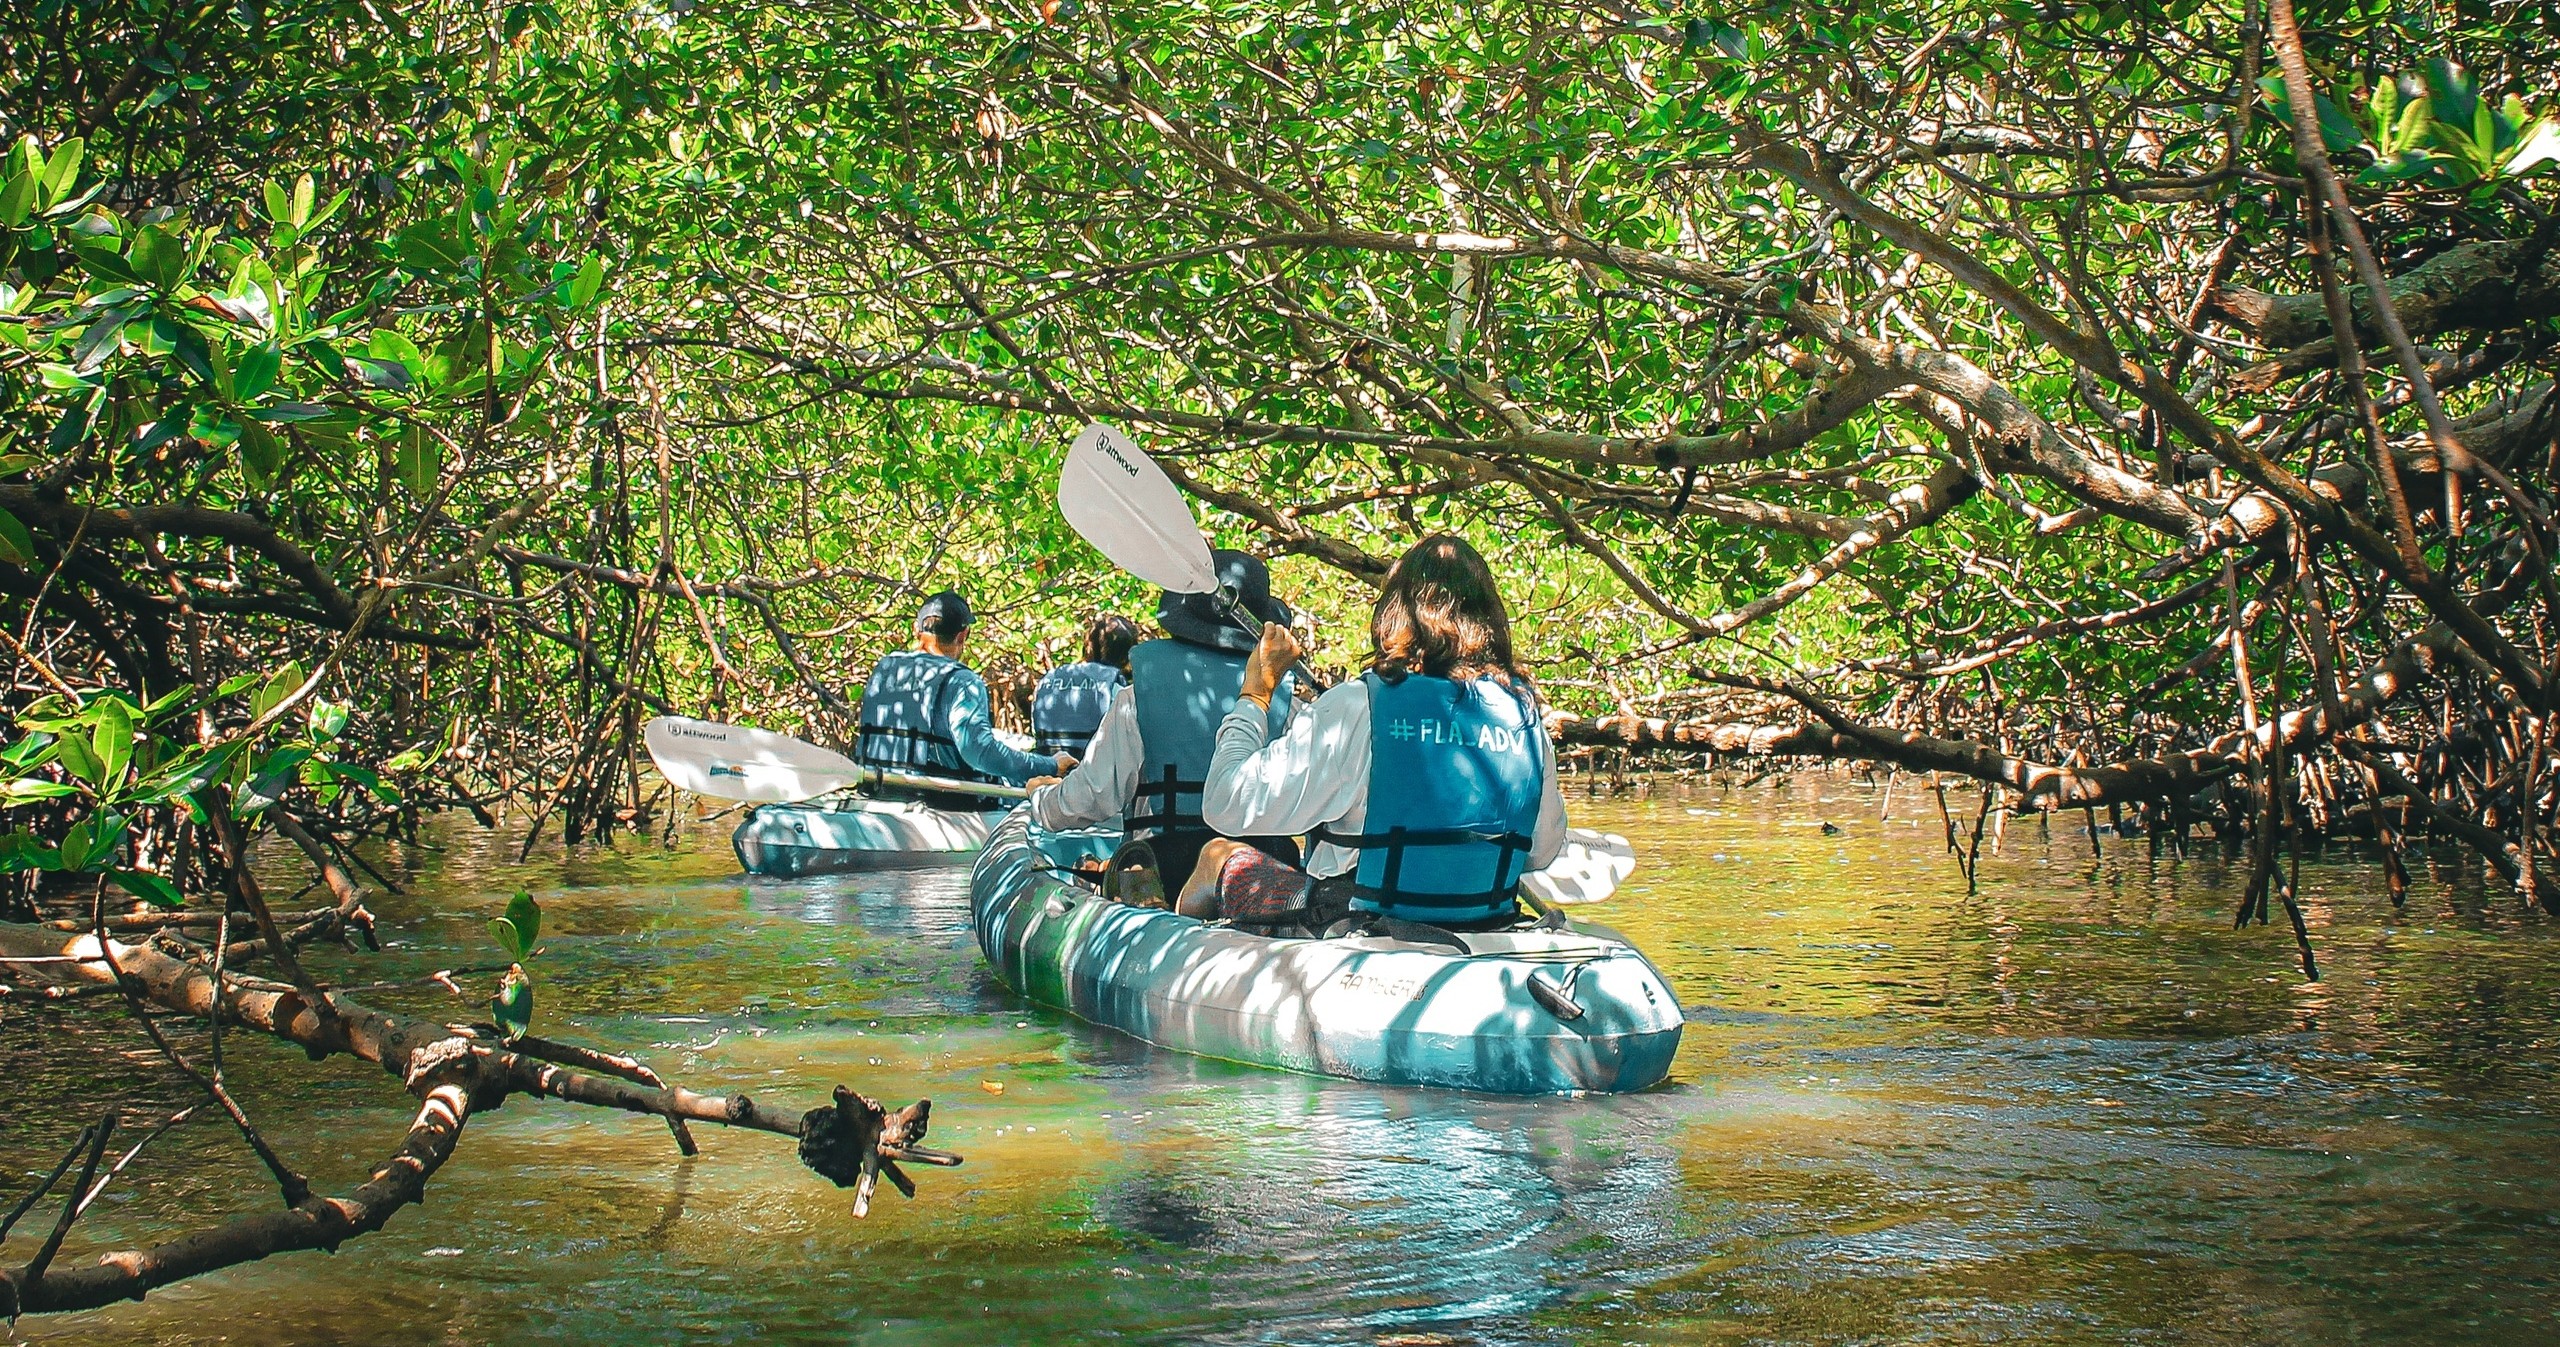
[
  {"x": 1428, "y": 815},
  {"x": 1149, "y": 759}
]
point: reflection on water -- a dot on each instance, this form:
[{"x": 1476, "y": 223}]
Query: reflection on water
[{"x": 2073, "y": 1107}]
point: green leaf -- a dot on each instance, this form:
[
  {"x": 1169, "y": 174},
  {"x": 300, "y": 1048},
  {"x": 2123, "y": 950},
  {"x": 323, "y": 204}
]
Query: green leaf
[
  {"x": 2412, "y": 126},
  {"x": 99, "y": 341},
  {"x": 148, "y": 887},
  {"x": 165, "y": 703},
  {"x": 279, "y": 206},
  {"x": 17, "y": 546},
  {"x": 27, "y": 751},
  {"x": 271, "y": 778},
  {"x": 304, "y": 194},
  {"x": 2451, "y": 92},
  {"x": 112, "y": 741},
  {"x": 526, "y": 916},
  {"x": 364, "y": 777},
  {"x": 158, "y": 257},
  {"x": 26, "y": 788},
  {"x": 509, "y": 939},
  {"x": 420, "y": 461},
  {"x": 589, "y": 281},
  {"x": 255, "y": 371},
  {"x": 279, "y": 685},
  {"x": 63, "y": 167},
  {"x": 76, "y": 842},
  {"x": 17, "y": 200},
  {"x": 261, "y": 455},
  {"x": 79, "y": 759}
]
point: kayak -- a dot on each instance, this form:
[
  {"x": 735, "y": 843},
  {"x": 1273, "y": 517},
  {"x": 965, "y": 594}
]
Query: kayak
[
  {"x": 856, "y": 834},
  {"x": 1529, "y": 1011}
]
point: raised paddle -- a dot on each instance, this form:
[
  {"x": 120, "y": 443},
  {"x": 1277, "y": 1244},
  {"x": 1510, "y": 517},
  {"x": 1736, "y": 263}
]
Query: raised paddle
[
  {"x": 735, "y": 762},
  {"x": 1122, "y": 503}
]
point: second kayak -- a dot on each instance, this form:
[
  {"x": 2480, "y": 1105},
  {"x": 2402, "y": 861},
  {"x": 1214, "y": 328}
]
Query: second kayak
[{"x": 786, "y": 840}]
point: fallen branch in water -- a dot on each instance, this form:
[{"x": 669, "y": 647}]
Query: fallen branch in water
[{"x": 454, "y": 1072}]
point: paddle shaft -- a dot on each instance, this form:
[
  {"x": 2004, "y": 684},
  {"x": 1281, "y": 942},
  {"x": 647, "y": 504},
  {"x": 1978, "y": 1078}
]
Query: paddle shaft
[{"x": 878, "y": 776}]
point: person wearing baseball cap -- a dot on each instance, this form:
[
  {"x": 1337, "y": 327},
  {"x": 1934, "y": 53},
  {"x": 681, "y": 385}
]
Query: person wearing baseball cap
[{"x": 923, "y": 711}]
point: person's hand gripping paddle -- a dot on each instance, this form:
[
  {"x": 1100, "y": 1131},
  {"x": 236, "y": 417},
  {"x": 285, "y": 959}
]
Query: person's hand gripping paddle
[{"x": 1122, "y": 503}]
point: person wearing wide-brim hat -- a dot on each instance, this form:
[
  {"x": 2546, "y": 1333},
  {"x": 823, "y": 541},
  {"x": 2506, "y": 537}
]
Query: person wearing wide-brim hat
[
  {"x": 924, "y": 711},
  {"x": 1150, "y": 759}
]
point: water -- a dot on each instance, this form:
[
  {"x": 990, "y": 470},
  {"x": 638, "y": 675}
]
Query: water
[{"x": 2074, "y": 1107}]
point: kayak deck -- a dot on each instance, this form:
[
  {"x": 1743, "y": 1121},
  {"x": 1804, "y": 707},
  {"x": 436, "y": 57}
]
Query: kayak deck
[
  {"x": 788, "y": 840},
  {"x": 1367, "y": 1008}
]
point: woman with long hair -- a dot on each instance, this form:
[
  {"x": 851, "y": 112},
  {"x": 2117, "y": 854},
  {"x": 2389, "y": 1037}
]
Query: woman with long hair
[{"x": 1428, "y": 784}]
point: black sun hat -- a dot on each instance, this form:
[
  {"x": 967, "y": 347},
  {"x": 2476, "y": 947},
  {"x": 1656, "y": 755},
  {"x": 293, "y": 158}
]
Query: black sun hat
[{"x": 1199, "y": 618}]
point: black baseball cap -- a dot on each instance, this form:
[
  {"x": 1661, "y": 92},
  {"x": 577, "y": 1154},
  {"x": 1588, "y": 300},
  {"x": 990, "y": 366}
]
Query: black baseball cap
[{"x": 945, "y": 614}]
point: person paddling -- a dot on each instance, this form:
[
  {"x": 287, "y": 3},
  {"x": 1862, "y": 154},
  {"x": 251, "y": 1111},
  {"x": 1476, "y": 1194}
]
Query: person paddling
[
  {"x": 925, "y": 712},
  {"x": 1071, "y": 701},
  {"x": 1429, "y": 782},
  {"x": 1150, "y": 756}
]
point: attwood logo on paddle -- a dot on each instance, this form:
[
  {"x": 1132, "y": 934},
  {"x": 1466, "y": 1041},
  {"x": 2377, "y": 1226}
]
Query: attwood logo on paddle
[
  {"x": 1491, "y": 738},
  {"x": 1103, "y": 442},
  {"x": 680, "y": 730}
]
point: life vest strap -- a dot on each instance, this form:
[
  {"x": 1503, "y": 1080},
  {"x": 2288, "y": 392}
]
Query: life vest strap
[
  {"x": 1167, "y": 816},
  {"x": 1395, "y": 841}
]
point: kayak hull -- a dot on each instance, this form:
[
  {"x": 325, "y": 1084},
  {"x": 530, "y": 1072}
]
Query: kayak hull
[
  {"x": 1367, "y": 1009},
  {"x": 788, "y": 840}
]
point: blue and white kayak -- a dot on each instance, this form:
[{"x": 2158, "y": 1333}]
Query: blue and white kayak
[
  {"x": 787, "y": 840},
  {"x": 1519, "y": 1012}
]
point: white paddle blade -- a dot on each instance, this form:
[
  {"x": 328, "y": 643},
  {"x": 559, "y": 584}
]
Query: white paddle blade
[
  {"x": 1124, "y": 505},
  {"x": 733, "y": 762},
  {"x": 1588, "y": 869}
]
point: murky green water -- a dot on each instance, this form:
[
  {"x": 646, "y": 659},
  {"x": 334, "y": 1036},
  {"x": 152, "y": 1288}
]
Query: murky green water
[{"x": 2074, "y": 1107}]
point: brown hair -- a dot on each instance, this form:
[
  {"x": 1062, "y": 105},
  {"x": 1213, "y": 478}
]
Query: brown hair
[
  {"x": 1440, "y": 615},
  {"x": 1107, "y": 639}
]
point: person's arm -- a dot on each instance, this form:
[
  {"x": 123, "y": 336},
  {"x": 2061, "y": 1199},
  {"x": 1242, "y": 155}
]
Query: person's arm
[
  {"x": 971, "y": 728},
  {"x": 1099, "y": 786},
  {"x": 1310, "y": 776}
]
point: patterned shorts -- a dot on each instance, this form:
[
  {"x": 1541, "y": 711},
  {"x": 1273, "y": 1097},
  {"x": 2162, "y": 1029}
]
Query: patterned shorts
[
  {"x": 1267, "y": 896},
  {"x": 1253, "y": 887}
]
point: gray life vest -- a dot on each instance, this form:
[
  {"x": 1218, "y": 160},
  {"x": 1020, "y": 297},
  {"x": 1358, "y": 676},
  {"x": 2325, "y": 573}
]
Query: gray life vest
[
  {"x": 1069, "y": 705},
  {"x": 1182, "y": 692},
  {"x": 906, "y": 721}
]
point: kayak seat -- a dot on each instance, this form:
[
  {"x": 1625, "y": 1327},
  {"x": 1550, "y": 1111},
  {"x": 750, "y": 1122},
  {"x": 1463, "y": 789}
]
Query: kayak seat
[{"x": 1410, "y": 932}]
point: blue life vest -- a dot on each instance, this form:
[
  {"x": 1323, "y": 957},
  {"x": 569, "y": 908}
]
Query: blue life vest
[
  {"x": 1182, "y": 692},
  {"x": 1454, "y": 788},
  {"x": 906, "y": 721},
  {"x": 1069, "y": 705}
]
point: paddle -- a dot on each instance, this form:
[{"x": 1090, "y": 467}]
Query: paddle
[
  {"x": 1123, "y": 504},
  {"x": 1589, "y": 868},
  {"x": 734, "y": 762}
]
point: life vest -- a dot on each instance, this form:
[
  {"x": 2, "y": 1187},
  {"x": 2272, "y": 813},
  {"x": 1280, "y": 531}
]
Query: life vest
[
  {"x": 1182, "y": 692},
  {"x": 1454, "y": 788},
  {"x": 1069, "y": 705},
  {"x": 906, "y": 722}
]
